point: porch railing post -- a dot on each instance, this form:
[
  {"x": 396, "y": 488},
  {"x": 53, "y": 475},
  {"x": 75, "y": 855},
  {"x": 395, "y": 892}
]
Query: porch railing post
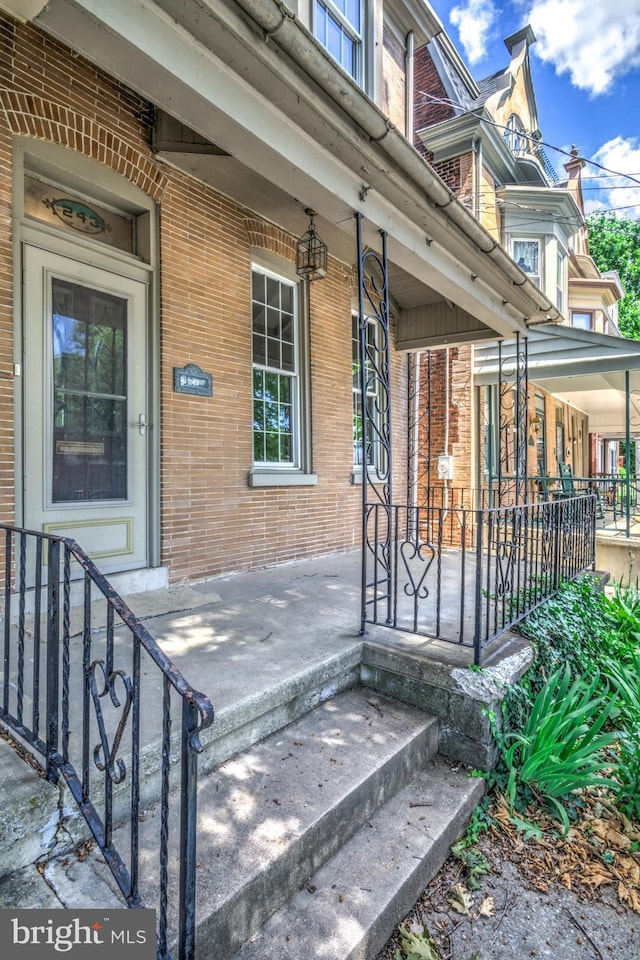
[
  {"x": 53, "y": 656},
  {"x": 477, "y": 617},
  {"x": 627, "y": 452},
  {"x": 188, "y": 799}
]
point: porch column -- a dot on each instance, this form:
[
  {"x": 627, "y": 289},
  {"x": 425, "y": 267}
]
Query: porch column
[{"x": 375, "y": 426}]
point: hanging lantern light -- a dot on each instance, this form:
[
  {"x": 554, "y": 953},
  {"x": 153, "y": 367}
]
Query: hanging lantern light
[{"x": 311, "y": 252}]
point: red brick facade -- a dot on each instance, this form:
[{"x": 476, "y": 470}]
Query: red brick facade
[{"x": 211, "y": 520}]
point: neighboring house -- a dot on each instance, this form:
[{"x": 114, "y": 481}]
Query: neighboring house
[
  {"x": 175, "y": 394},
  {"x": 484, "y": 140}
]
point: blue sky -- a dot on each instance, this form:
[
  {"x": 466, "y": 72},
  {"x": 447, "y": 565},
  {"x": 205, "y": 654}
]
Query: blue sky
[{"x": 586, "y": 74}]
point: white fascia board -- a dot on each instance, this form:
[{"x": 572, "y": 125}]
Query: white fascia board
[{"x": 145, "y": 48}]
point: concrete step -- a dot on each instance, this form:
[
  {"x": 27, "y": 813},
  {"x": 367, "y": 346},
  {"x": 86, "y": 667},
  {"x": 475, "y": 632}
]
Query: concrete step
[
  {"x": 269, "y": 818},
  {"x": 349, "y": 907},
  {"x": 29, "y": 812}
]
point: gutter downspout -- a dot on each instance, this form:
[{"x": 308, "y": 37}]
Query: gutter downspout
[
  {"x": 408, "y": 85},
  {"x": 274, "y": 17}
]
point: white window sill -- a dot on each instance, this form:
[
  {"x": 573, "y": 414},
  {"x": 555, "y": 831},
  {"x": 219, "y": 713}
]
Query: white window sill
[{"x": 281, "y": 478}]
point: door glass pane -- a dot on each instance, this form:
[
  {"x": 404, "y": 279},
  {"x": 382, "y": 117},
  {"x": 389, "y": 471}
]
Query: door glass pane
[{"x": 89, "y": 459}]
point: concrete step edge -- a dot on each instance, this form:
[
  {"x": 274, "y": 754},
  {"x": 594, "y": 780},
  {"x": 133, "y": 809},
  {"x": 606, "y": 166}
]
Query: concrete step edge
[
  {"x": 349, "y": 907},
  {"x": 272, "y": 816}
]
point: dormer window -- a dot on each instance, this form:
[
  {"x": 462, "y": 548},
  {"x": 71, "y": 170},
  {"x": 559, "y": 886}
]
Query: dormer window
[
  {"x": 515, "y": 136},
  {"x": 338, "y": 25}
]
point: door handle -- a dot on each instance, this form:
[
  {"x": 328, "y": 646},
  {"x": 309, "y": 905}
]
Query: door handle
[{"x": 141, "y": 423}]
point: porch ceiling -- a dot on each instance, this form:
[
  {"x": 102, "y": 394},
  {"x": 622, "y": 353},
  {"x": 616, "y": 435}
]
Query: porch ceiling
[
  {"x": 230, "y": 176},
  {"x": 584, "y": 369}
]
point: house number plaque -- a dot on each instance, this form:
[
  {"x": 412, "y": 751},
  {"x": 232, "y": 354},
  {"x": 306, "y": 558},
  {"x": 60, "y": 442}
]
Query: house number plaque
[{"x": 191, "y": 379}]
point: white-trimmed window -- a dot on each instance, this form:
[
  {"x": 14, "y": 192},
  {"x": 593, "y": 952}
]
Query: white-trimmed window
[
  {"x": 338, "y": 25},
  {"x": 526, "y": 253},
  {"x": 281, "y": 417},
  {"x": 582, "y": 319}
]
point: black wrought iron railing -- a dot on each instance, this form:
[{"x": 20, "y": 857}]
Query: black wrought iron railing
[
  {"x": 617, "y": 497},
  {"x": 106, "y": 712},
  {"x": 466, "y": 575}
]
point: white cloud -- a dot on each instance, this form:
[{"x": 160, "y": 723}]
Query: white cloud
[
  {"x": 474, "y": 20},
  {"x": 617, "y": 193},
  {"x": 594, "y": 42}
]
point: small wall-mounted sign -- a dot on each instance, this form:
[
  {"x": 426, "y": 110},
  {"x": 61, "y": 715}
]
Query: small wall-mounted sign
[{"x": 191, "y": 379}]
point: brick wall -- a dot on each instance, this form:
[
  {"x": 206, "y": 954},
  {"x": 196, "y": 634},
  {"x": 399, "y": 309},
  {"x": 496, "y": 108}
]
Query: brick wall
[
  {"x": 211, "y": 520},
  {"x": 428, "y": 90}
]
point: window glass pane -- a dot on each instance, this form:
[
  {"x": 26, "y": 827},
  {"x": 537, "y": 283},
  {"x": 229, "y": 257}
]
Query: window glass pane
[
  {"x": 273, "y": 292},
  {"x": 259, "y": 354},
  {"x": 258, "y": 281},
  {"x": 526, "y": 253},
  {"x": 581, "y": 320},
  {"x": 88, "y": 330},
  {"x": 352, "y": 13},
  {"x": 287, "y": 356},
  {"x": 334, "y": 39},
  {"x": 276, "y": 388},
  {"x": 258, "y": 318},
  {"x": 273, "y": 352},
  {"x": 286, "y": 298},
  {"x": 271, "y": 386},
  {"x": 285, "y": 447},
  {"x": 287, "y": 327},
  {"x": 273, "y": 322}
]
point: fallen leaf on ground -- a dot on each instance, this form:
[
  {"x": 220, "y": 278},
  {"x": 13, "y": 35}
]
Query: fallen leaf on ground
[
  {"x": 487, "y": 908},
  {"x": 460, "y": 899}
]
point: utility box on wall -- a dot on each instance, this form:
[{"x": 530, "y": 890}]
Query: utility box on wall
[{"x": 445, "y": 468}]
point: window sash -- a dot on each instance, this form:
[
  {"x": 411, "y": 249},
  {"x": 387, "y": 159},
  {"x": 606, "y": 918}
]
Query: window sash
[
  {"x": 582, "y": 319},
  {"x": 340, "y": 33},
  {"x": 276, "y": 378},
  {"x": 526, "y": 253}
]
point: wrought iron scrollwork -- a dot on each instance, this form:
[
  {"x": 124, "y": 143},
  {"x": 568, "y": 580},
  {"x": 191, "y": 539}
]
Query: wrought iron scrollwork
[
  {"x": 424, "y": 553},
  {"x": 105, "y": 753},
  {"x": 512, "y": 423},
  {"x": 375, "y": 393}
]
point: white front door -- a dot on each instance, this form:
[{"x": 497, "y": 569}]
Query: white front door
[{"x": 85, "y": 407}]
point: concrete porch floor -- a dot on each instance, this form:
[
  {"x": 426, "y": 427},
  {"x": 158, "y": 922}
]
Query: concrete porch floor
[{"x": 243, "y": 633}]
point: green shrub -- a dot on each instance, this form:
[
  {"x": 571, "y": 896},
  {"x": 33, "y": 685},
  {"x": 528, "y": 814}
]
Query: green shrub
[
  {"x": 628, "y": 772},
  {"x": 559, "y": 747}
]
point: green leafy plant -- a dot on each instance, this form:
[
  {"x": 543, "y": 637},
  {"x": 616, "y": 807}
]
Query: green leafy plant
[
  {"x": 628, "y": 772},
  {"x": 623, "y": 607},
  {"x": 559, "y": 748},
  {"x": 625, "y": 679},
  {"x": 474, "y": 862},
  {"x": 416, "y": 945}
]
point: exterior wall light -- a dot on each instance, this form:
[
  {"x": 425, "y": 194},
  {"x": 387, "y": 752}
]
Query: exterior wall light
[{"x": 311, "y": 252}]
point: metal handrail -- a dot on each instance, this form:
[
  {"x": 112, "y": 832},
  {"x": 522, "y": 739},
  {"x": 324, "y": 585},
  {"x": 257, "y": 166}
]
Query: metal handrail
[{"x": 90, "y": 756}]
